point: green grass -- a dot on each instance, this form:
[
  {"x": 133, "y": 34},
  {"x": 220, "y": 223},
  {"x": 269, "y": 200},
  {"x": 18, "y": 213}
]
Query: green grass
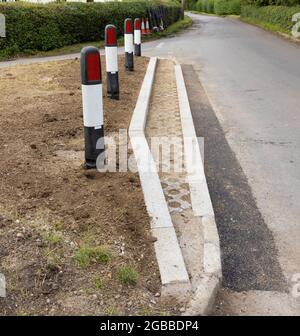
[
  {"x": 265, "y": 25},
  {"x": 175, "y": 27},
  {"x": 85, "y": 255},
  {"x": 145, "y": 312},
  {"x": 52, "y": 238},
  {"x": 233, "y": 16},
  {"x": 111, "y": 311},
  {"x": 53, "y": 258},
  {"x": 128, "y": 275},
  {"x": 76, "y": 48},
  {"x": 98, "y": 282},
  {"x": 203, "y": 13}
]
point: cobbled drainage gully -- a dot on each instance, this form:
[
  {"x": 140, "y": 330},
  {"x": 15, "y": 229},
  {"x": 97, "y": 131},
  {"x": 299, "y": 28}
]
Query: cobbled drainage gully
[{"x": 164, "y": 122}]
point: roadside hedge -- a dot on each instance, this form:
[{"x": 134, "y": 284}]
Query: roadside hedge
[
  {"x": 280, "y": 17},
  {"x": 271, "y": 2},
  {"x": 227, "y": 7},
  {"x": 219, "y": 7},
  {"x": 32, "y": 27}
]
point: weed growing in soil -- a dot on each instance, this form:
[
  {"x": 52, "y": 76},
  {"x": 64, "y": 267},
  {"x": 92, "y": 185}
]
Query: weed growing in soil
[
  {"x": 111, "y": 311},
  {"x": 145, "y": 312},
  {"x": 128, "y": 275},
  {"x": 58, "y": 226},
  {"x": 98, "y": 282},
  {"x": 85, "y": 255},
  {"x": 53, "y": 257},
  {"x": 52, "y": 238}
]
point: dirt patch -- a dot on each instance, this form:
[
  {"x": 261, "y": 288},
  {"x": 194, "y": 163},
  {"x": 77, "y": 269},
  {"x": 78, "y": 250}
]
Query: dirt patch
[{"x": 66, "y": 233}]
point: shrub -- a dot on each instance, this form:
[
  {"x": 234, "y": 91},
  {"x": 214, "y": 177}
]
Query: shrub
[
  {"x": 271, "y": 2},
  {"x": 210, "y": 6},
  {"x": 198, "y": 6},
  {"x": 220, "y": 7},
  {"x": 227, "y": 7},
  {"x": 190, "y": 4},
  {"x": 31, "y": 27},
  {"x": 278, "y": 16}
]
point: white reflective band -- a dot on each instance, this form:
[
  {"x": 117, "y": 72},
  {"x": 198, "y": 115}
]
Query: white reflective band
[
  {"x": 129, "y": 43},
  {"x": 92, "y": 103},
  {"x": 111, "y": 58},
  {"x": 137, "y": 37}
]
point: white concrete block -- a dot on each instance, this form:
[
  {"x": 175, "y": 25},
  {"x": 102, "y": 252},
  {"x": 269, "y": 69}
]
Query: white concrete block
[{"x": 169, "y": 257}]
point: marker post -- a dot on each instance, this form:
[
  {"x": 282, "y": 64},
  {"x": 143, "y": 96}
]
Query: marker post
[
  {"x": 111, "y": 58},
  {"x": 148, "y": 31},
  {"x": 128, "y": 41},
  {"x": 143, "y": 28},
  {"x": 137, "y": 37},
  {"x": 92, "y": 102}
]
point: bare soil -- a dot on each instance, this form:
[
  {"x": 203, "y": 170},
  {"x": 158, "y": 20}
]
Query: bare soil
[{"x": 50, "y": 206}]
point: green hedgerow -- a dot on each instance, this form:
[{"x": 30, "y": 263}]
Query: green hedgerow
[
  {"x": 34, "y": 27},
  {"x": 279, "y": 17}
]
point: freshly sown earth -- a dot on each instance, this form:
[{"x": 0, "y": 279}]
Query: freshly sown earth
[{"x": 67, "y": 233}]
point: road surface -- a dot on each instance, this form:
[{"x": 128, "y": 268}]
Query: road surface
[{"x": 252, "y": 80}]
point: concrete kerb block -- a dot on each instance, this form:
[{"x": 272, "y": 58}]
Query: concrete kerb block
[
  {"x": 174, "y": 276},
  {"x": 139, "y": 116},
  {"x": 207, "y": 288},
  {"x": 204, "y": 296},
  {"x": 212, "y": 250}
]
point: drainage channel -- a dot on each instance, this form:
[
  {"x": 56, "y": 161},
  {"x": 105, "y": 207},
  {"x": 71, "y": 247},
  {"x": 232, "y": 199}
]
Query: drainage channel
[{"x": 165, "y": 139}]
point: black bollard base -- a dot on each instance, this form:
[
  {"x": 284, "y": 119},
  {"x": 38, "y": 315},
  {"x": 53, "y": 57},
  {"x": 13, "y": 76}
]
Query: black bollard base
[
  {"x": 137, "y": 50},
  {"x": 94, "y": 145},
  {"x": 129, "y": 61},
  {"x": 113, "y": 90}
]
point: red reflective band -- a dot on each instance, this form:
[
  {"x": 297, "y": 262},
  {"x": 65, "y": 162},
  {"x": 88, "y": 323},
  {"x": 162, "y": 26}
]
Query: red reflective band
[
  {"x": 137, "y": 24},
  {"x": 128, "y": 26},
  {"x": 111, "y": 37},
  {"x": 93, "y": 67}
]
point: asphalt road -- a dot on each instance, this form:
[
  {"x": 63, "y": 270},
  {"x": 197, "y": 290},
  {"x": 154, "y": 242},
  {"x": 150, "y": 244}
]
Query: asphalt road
[{"x": 252, "y": 80}]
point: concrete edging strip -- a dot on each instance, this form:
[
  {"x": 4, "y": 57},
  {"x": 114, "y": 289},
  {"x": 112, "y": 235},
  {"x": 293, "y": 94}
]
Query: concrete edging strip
[
  {"x": 174, "y": 276},
  {"x": 207, "y": 288}
]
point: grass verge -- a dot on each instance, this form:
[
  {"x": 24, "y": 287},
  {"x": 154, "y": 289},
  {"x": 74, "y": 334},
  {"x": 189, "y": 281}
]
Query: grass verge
[
  {"x": 277, "y": 30},
  {"x": 233, "y": 16},
  {"x": 264, "y": 25},
  {"x": 76, "y": 48}
]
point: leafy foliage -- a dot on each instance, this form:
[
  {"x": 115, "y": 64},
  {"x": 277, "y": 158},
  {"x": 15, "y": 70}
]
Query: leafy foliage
[
  {"x": 271, "y": 2},
  {"x": 220, "y": 7},
  {"x": 31, "y": 27},
  {"x": 280, "y": 17}
]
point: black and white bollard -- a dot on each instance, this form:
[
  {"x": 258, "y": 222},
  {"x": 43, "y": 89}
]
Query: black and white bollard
[
  {"x": 137, "y": 38},
  {"x": 92, "y": 102},
  {"x": 111, "y": 57},
  {"x": 128, "y": 41}
]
